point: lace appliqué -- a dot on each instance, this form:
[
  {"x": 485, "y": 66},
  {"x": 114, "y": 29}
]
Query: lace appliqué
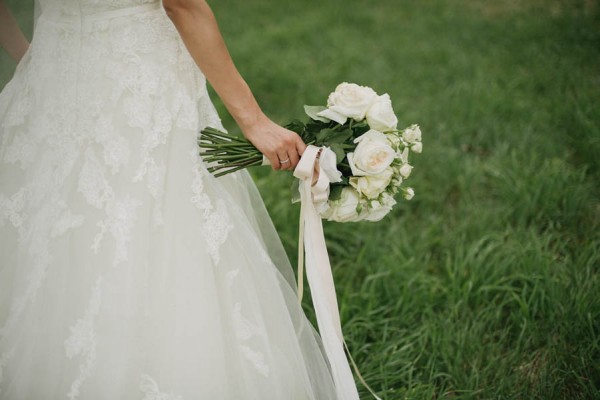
[
  {"x": 67, "y": 221},
  {"x": 217, "y": 222},
  {"x": 92, "y": 182},
  {"x": 12, "y": 207},
  {"x": 151, "y": 391},
  {"x": 3, "y": 362},
  {"x": 257, "y": 359},
  {"x": 245, "y": 331},
  {"x": 83, "y": 341},
  {"x": 120, "y": 216}
]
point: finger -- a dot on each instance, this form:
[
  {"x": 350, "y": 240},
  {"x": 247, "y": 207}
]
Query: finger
[
  {"x": 294, "y": 158},
  {"x": 274, "y": 159},
  {"x": 284, "y": 160},
  {"x": 300, "y": 146}
]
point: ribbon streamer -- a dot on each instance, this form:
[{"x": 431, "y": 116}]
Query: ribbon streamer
[{"x": 311, "y": 243}]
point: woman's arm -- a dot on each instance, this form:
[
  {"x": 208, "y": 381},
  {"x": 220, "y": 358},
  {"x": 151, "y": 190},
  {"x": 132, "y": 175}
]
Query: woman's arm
[
  {"x": 11, "y": 36},
  {"x": 199, "y": 31}
]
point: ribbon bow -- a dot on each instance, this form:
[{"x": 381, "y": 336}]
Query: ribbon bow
[{"x": 311, "y": 242}]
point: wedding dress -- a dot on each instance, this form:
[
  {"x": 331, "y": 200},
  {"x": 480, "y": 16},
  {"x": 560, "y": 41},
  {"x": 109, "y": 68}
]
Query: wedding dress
[{"x": 127, "y": 271}]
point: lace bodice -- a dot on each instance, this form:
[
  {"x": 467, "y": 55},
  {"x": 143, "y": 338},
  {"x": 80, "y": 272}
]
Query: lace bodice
[{"x": 76, "y": 8}]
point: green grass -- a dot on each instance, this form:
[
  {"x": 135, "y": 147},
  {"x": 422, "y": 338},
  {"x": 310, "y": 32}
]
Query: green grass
[{"x": 486, "y": 285}]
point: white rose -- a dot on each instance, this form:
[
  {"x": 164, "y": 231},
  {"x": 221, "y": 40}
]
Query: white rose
[
  {"x": 380, "y": 208},
  {"x": 372, "y": 186},
  {"x": 409, "y": 193},
  {"x": 372, "y": 155},
  {"x": 405, "y": 170},
  {"x": 344, "y": 209},
  {"x": 412, "y": 134},
  {"x": 349, "y": 100},
  {"x": 417, "y": 147},
  {"x": 381, "y": 115}
]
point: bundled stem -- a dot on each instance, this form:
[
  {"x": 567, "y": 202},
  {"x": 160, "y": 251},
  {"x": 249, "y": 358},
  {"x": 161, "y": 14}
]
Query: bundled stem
[{"x": 229, "y": 153}]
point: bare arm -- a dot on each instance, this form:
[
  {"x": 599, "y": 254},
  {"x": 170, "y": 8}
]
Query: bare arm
[
  {"x": 11, "y": 36},
  {"x": 199, "y": 31}
]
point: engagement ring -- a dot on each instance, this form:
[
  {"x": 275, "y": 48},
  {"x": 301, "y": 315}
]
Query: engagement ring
[{"x": 284, "y": 161}]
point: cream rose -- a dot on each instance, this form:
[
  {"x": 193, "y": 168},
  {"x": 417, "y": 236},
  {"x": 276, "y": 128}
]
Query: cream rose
[
  {"x": 372, "y": 186},
  {"x": 380, "y": 115},
  {"x": 409, "y": 193},
  {"x": 349, "y": 100},
  {"x": 372, "y": 155},
  {"x": 380, "y": 208},
  {"x": 344, "y": 209}
]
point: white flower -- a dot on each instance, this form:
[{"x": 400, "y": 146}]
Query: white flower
[
  {"x": 380, "y": 208},
  {"x": 396, "y": 181},
  {"x": 344, "y": 209},
  {"x": 409, "y": 193},
  {"x": 387, "y": 200},
  {"x": 412, "y": 134},
  {"x": 380, "y": 115},
  {"x": 373, "y": 185},
  {"x": 417, "y": 147},
  {"x": 349, "y": 100},
  {"x": 405, "y": 170},
  {"x": 394, "y": 138},
  {"x": 372, "y": 155},
  {"x": 403, "y": 156}
]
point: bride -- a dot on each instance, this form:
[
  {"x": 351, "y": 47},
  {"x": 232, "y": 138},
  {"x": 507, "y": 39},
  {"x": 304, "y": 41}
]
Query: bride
[{"x": 127, "y": 271}]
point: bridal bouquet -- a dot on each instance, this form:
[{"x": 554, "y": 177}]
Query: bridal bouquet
[
  {"x": 355, "y": 162},
  {"x": 363, "y": 153}
]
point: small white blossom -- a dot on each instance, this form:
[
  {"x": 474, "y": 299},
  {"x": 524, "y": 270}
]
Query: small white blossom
[
  {"x": 417, "y": 147},
  {"x": 412, "y": 134},
  {"x": 405, "y": 170}
]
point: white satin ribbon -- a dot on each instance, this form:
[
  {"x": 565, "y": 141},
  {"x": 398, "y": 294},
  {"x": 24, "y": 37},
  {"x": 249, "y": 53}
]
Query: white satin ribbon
[{"x": 311, "y": 242}]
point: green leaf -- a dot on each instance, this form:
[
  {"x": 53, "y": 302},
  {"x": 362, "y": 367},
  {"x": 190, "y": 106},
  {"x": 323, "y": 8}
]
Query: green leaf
[
  {"x": 296, "y": 126},
  {"x": 340, "y": 137},
  {"x": 360, "y": 128},
  {"x": 312, "y": 112},
  {"x": 335, "y": 192},
  {"x": 324, "y": 136},
  {"x": 338, "y": 149}
]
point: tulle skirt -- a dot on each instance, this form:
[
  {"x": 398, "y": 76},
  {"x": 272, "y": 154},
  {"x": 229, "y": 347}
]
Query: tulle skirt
[{"x": 127, "y": 271}]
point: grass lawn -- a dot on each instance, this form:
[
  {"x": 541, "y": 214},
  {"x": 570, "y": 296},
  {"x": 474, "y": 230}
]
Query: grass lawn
[{"x": 486, "y": 285}]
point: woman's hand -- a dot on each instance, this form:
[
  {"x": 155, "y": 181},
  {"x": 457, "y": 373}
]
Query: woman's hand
[{"x": 281, "y": 146}]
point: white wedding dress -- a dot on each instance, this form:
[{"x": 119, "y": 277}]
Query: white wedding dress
[{"x": 127, "y": 271}]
